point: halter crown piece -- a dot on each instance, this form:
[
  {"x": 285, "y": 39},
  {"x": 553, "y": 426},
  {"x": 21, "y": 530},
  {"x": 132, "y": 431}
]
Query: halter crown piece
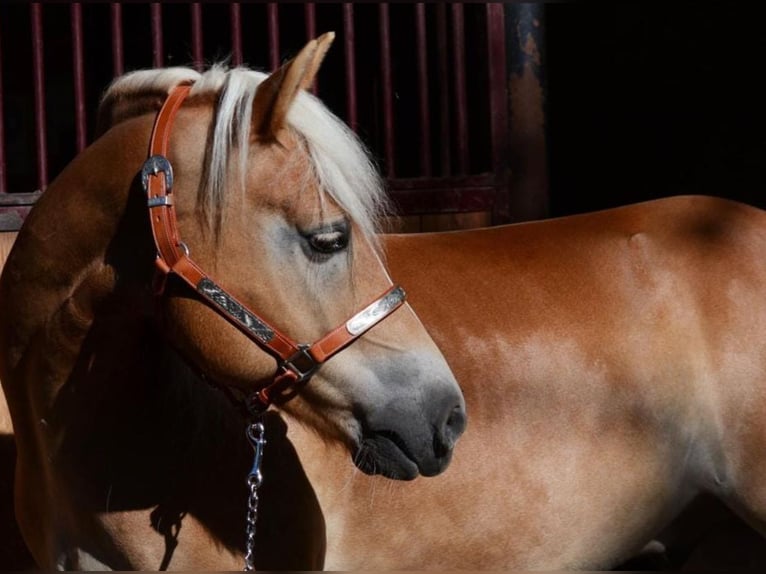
[{"x": 296, "y": 362}]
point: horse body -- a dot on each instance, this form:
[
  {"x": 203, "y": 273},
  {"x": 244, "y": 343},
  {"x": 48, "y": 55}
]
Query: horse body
[{"x": 612, "y": 366}]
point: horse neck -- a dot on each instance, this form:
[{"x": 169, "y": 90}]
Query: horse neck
[{"x": 72, "y": 264}]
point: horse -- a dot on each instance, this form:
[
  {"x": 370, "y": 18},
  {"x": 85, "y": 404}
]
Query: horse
[
  {"x": 610, "y": 364},
  {"x": 136, "y": 357}
]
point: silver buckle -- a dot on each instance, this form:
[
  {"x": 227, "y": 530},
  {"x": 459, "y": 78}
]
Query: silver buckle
[
  {"x": 301, "y": 363},
  {"x": 153, "y": 166}
]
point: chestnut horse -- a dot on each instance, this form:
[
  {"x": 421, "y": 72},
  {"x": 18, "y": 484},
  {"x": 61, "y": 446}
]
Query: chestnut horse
[
  {"x": 118, "y": 297},
  {"x": 610, "y": 363}
]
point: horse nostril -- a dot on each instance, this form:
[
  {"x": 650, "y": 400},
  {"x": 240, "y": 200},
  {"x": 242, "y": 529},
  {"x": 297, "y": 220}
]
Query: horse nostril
[
  {"x": 453, "y": 428},
  {"x": 456, "y": 422}
]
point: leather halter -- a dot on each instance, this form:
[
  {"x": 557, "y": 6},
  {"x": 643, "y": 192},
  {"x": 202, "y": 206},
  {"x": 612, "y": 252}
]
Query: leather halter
[{"x": 296, "y": 362}]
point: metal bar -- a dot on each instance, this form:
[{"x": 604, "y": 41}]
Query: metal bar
[
  {"x": 498, "y": 91},
  {"x": 196, "y": 34},
  {"x": 461, "y": 99},
  {"x": 425, "y": 111},
  {"x": 272, "y": 16},
  {"x": 118, "y": 55},
  {"x": 38, "y": 72},
  {"x": 311, "y": 32},
  {"x": 498, "y": 106},
  {"x": 3, "y": 175},
  {"x": 350, "y": 59},
  {"x": 388, "y": 89},
  {"x": 445, "y": 151},
  {"x": 525, "y": 36},
  {"x": 236, "y": 34},
  {"x": 158, "y": 55},
  {"x": 309, "y": 11},
  {"x": 78, "y": 70}
]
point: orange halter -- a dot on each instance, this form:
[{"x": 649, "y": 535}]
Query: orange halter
[{"x": 296, "y": 362}]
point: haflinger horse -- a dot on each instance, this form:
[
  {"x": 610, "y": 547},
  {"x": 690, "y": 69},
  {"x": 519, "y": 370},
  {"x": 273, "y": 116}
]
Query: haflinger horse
[
  {"x": 199, "y": 244},
  {"x": 611, "y": 363}
]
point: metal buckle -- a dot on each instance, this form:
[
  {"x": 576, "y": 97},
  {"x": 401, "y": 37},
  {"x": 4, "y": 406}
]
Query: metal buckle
[
  {"x": 153, "y": 166},
  {"x": 301, "y": 363}
]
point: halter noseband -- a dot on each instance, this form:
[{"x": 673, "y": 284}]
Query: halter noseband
[{"x": 296, "y": 362}]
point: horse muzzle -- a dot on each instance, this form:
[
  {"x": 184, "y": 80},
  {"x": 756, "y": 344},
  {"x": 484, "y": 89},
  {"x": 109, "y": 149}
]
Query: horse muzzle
[{"x": 412, "y": 443}]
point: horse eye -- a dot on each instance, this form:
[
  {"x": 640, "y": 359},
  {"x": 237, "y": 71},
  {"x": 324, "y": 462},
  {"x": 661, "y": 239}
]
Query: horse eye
[{"x": 329, "y": 241}]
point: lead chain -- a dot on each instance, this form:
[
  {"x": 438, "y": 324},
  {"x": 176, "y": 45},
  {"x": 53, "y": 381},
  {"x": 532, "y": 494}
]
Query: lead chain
[{"x": 255, "y": 434}]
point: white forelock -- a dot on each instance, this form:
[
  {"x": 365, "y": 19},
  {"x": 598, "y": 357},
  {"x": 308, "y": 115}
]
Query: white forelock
[{"x": 340, "y": 161}]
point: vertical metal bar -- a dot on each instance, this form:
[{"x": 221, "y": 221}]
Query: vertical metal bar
[
  {"x": 158, "y": 55},
  {"x": 445, "y": 152},
  {"x": 525, "y": 36},
  {"x": 118, "y": 56},
  {"x": 425, "y": 113},
  {"x": 498, "y": 91},
  {"x": 196, "y": 34},
  {"x": 236, "y": 34},
  {"x": 3, "y": 176},
  {"x": 461, "y": 100},
  {"x": 388, "y": 89},
  {"x": 38, "y": 72},
  {"x": 311, "y": 20},
  {"x": 350, "y": 59},
  {"x": 498, "y": 107},
  {"x": 78, "y": 70},
  {"x": 272, "y": 16},
  {"x": 311, "y": 32}
]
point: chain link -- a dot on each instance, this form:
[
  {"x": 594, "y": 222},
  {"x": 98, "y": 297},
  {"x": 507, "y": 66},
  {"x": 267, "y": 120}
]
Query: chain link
[{"x": 255, "y": 434}]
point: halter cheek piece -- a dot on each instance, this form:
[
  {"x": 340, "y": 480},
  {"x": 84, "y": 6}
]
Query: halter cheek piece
[{"x": 296, "y": 362}]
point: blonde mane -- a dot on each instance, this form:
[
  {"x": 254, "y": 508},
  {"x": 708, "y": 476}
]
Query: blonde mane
[{"x": 339, "y": 160}]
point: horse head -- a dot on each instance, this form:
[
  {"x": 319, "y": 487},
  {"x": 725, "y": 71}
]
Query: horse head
[{"x": 277, "y": 201}]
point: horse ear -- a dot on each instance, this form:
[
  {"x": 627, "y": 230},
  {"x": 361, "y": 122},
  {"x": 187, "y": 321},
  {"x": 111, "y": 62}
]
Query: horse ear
[{"x": 276, "y": 93}]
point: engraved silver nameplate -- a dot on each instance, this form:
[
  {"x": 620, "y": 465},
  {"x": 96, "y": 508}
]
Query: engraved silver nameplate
[
  {"x": 244, "y": 317},
  {"x": 376, "y": 312}
]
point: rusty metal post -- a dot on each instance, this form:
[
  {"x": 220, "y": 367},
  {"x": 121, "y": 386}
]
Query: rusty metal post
[
  {"x": 421, "y": 39},
  {"x": 78, "y": 67},
  {"x": 158, "y": 51},
  {"x": 349, "y": 50},
  {"x": 118, "y": 49},
  {"x": 387, "y": 87},
  {"x": 272, "y": 19},
  {"x": 38, "y": 75},
  {"x": 198, "y": 51},
  {"x": 236, "y": 34},
  {"x": 525, "y": 33},
  {"x": 459, "y": 85}
]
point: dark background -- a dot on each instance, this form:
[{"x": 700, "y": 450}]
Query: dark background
[
  {"x": 653, "y": 99},
  {"x": 643, "y": 99}
]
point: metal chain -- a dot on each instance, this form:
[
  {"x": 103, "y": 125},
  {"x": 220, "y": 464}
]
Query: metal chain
[{"x": 256, "y": 435}]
